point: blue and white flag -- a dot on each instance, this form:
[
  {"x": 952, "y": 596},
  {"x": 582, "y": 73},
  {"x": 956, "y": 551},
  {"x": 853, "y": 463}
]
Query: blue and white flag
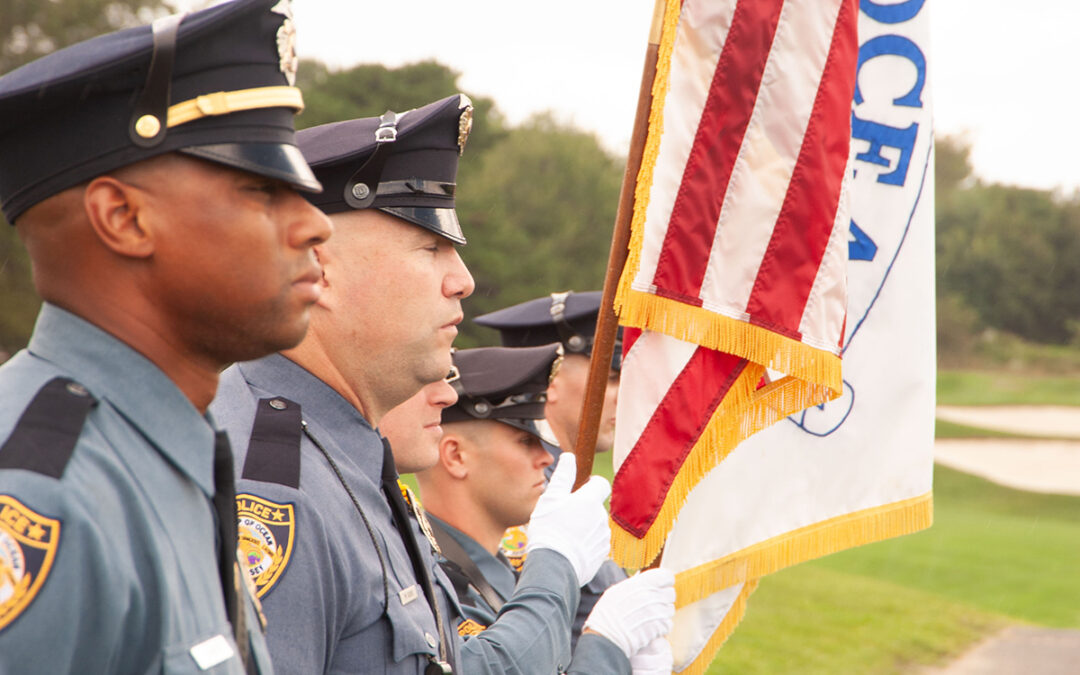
[{"x": 858, "y": 469}]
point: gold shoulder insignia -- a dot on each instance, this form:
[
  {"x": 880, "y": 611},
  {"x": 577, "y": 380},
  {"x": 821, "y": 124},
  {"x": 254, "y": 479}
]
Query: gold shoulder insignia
[
  {"x": 265, "y": 533},
  {"x": 469, "y": 627},
  {"x": 28, "y": 545},
  {"x": 513, "y": 546}
]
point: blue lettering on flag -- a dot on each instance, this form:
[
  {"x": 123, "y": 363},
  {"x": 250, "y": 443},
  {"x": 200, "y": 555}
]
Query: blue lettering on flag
[
  {"x": 895, "y": 45},
  {"x": 860, "y": 246},
  {"x": 898, "y": 12}
]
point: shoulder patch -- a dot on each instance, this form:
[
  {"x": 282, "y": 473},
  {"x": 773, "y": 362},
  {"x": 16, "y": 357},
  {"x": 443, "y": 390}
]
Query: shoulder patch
[
  {"x": 265, "y": 533},
  {"x": 46, "y": 433},
  {"x": 28, "y": 545},
  {"x": 468, "y": 627},
  {"x": 513, "y": 546}
]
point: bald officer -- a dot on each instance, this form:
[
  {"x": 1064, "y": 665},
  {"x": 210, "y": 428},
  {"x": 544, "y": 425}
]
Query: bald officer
[
  {"x": 348, "y": 582},
  {"x": 151, "y": 174}
]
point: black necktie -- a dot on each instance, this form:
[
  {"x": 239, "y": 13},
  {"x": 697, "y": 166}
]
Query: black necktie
[
  {"x": 225, "y": 509},
  {"x": 400, "y": 511}
]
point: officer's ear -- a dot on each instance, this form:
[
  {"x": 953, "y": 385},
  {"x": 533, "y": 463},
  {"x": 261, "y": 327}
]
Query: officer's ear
[
  {"x": 452, "y": 456},
  {"x": 113, "y": 208}
]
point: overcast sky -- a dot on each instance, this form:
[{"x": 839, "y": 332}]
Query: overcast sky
[{"x": 1001, "y": 71}]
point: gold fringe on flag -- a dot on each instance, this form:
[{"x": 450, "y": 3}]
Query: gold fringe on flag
[
  {"x": 732, "y": 619},
  {"x": 813, "y": 541},
  {"x": 816, "y": 364},
  {"x": 661, "y": 84},
  {"x": 743, "y": 412}
]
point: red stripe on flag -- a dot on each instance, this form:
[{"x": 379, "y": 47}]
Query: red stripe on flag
[
  {"x": 630, "y": 335},
  {"x": 652, "y": 464},
  {"x": 801, "y": 234},
  {"x": 684, "y": 257}
]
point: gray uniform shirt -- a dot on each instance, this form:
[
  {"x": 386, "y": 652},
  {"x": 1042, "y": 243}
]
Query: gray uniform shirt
[
  {"x": 112, "y": 566},
  {"x": 596, "y": 654},
  {"x": 345, "y": 598}
]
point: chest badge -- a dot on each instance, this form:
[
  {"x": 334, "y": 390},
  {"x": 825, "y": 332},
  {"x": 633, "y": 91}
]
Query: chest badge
[
  {"x": 265, "y": 534},
  {"x": 513, "y": 546},
  {"x": 28, "y": 545}
]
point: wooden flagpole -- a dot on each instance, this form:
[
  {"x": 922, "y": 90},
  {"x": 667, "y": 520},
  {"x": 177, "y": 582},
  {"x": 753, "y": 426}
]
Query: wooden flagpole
[{"x": 607, "y": 324}]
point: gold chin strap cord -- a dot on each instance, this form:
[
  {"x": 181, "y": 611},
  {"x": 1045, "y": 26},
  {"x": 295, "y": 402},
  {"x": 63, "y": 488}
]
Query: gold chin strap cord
[{"x": 225, "y": 102}]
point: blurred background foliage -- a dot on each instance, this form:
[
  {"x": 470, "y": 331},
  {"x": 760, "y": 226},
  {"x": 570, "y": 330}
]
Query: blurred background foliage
[{"x": 537, "y": 201}]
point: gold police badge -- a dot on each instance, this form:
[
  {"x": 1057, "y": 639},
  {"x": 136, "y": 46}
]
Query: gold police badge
[
  {"x": 28, "y": 545},
  {"x": 464, "y": 123},
  {"x": 265, "y": 532},
  {"x": 513, "y": 546}
]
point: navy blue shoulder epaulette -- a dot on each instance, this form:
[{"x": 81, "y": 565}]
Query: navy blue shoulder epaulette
[
  {"x": 46, "y": 433},
  {"x": 273, "y": 454}
]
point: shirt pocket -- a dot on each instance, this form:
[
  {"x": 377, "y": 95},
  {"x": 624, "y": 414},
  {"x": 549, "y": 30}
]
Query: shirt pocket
[
  {"x": 412, "y": 628},
  {"x": 213, "y": 652}
]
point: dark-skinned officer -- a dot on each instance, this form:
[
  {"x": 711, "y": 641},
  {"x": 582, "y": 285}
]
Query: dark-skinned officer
[{"x": 152, "y": 175}]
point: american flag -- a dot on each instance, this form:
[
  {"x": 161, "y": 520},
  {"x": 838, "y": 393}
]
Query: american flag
[{"x": 738, "y": 247}]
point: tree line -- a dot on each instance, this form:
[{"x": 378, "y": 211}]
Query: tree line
[{"x": 537, "y": 200}]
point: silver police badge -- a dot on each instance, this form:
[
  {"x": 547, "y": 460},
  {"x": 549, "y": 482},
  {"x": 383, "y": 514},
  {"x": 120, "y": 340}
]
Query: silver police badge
[{"x": 286, "y": 41}]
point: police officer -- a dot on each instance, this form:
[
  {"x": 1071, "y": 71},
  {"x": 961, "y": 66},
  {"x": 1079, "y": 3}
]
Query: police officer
[
  {"x": 570, "y": 319},
  {"x": 488, "y": 476},
  {"x": 347, "y": 581},
  {"x": 151, "y": 174}
]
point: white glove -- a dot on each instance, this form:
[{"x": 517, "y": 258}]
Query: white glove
[
  {"x": 654, "y": 658},
  {"x": 573, "y": 524},
  {"x": 635, "y": 611}
]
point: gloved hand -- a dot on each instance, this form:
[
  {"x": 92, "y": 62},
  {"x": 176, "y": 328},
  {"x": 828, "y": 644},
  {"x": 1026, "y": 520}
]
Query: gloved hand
[
  {"x": 573, "y": 524},
  {"x": 654, "y": 658},
  {"x": 636, "y": 611}
]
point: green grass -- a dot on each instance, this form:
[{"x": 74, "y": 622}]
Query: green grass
[
  {"x": 994, "y": 555},
  {"x": 947, "y": 429},
  {"x": 812, "y": 620},
  {"x": 966, "y": 387}
]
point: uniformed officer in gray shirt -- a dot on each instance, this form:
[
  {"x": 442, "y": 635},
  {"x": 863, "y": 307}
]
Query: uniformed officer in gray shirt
[
  {"x": 484, "y": 474},
  {"x": 347, "y": 580},
  {"x": 151, "y": 174}
]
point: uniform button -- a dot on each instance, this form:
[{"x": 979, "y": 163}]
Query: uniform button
[
  {"x": 77, "y": 389},
  {"x": 277, "y": 404},
  {"x": 430, "y": 639}
]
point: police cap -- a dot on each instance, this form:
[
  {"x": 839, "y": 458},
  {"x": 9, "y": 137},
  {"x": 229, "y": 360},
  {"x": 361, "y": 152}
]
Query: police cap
[
  {"x": 568, "y": 317},
  {"x": 216, "y": 84},
  {"x": 404, "y": 164},
  {"x": 502, "y": 383}
]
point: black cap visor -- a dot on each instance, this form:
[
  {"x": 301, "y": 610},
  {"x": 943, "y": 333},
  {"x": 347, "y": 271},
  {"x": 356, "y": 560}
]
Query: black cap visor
[
  {"x": 274, "y": 160},
  {"x": 438, "y": 220}
]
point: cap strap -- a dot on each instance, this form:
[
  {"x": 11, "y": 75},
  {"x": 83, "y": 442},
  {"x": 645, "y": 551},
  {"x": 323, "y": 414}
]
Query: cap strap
[
  {"x": 225, "y": 102},
  {"x": 361, "y": 188},
  {"x": 147, "y": 127}
]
